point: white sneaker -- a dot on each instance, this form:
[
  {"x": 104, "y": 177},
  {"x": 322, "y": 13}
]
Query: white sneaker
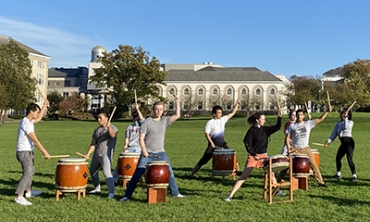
[
  {"x": 22, "y": 201},
  {"x": 228, "y": 199},
  {"x": 95, "y": 190},
  {"x": 180, "y": 196},
  {"x": 123, "y": 199},
  {"x": 111, "y": 196},
  {"x": 280, "y": 193},
  {"x": 33, "y": 193}
]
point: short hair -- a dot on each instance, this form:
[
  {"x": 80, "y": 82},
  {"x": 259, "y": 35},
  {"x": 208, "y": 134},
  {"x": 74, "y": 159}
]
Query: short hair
[
  {"x": 215, "y": 108},
  {"x": 299, "y": 111},
  {"x": 104, "y": 112},
  {"x": 158, "y": 103},
  {"x": 32, "y": 107}
]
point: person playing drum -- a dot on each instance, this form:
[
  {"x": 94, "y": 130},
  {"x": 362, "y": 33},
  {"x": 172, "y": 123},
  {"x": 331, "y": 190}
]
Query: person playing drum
[
  {"x": 152, "y": 135},
  {"x": 214, "y": 132},
  {"x": 25, "y": 145},
  {"x": 343, "y": 129},
  {"x": 297, "y": 140},
  {"x": 255, "y": 141},
  {"x": 102, "y": 144}
]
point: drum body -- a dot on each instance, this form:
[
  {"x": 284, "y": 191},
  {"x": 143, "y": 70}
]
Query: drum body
[
  {"x": 278, "y": 163},
  {"x": 301, "y": 166},
  {"x": 157, "y": 174},
  {"x": 224, "y": 161},
  {"x": 71, "y": 174},
  {"x": 316, "y": 155},
  {"x": 127, "y": 163}
]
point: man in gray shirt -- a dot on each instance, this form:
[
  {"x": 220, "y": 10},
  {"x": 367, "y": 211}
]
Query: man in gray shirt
[{"x": 152, "y": 136}]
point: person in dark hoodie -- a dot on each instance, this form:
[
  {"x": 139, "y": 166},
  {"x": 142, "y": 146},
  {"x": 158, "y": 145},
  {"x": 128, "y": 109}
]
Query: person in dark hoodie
[{"x": 255, "y": 142}]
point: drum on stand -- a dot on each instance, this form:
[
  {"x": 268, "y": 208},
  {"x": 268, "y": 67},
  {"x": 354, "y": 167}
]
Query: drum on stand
[
  {"x": 301, "y": 165},
  {"x": 316, "y": 155},
  {"x": 71, "y": 174},
  {"x": 224, "y": 162},
  {"x": 127, "y": 163},
  {"x": 157, "y": 174},
  {"x": 278, "y": 163}
]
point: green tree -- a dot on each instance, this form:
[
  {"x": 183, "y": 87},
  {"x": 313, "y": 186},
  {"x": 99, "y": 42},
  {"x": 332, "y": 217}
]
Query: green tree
[
  {"x": 303, "y": 89},
  {"x": 15, "y": 76},
  {"x": 3, "y": 102},
  {"x": 127, "y": 69},
  {"x": 55, "y": 99},
  {"x": 73, "y": 103}
]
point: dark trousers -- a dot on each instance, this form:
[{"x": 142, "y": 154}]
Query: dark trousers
[{"x": 346, "y": 147}]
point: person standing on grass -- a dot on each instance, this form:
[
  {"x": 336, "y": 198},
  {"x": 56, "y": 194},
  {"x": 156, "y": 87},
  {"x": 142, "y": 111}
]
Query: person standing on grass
[
  {"x": 132, "y": 136},
  {"x": 26, "y": 140},
  {"x": 343, "y": 129},
  {"x": 297, "y": 141},
  {"x": 102, "y": 144},
  {"x": 152, "y": 135},
  {"x": 214, "y": 133},
  {"x": 255, "y": 142}
]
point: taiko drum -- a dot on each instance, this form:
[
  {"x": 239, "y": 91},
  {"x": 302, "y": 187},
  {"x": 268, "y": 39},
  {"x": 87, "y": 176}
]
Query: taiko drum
[
  {"x": 278, "y": 163},
  {"x": 224, "y": 161},
  {"x": 157, "y": 174},
  {"x": 316, "y": 155},
  {"x": 71, "y": 174},
  {"x": 127, "y": 163},
  {"x": 301, "y": 165}
]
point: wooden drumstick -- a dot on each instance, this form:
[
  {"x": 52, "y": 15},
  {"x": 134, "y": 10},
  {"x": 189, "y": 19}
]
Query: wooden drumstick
[
  {"x": 42, "y": 95},
  {"x": 352, "y": 105},
  {"x": 171, "y": 92},
  {"x": 305, "y": 104},
  {"x": 57, "y": 156},
  {"x": 111, "y": 115},
  {"x": 318, "y": 144},
  {"x": 135, "y": 96},
  {"x": 80, "y": 154},
  {"x": 277, "y": 101},
  {"x": 327, "y": 94}
]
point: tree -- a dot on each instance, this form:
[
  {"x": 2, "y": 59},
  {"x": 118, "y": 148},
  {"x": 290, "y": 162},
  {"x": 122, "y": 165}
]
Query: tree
[
  {"x": 54, "y": 100},
  {"x": 72, "y": 104},
  {"x": 127, "y": 69},
  {"x": 3, "y": 102},
  {"x": 303, "y": 89},
  {"x": 15, "y": 76}
]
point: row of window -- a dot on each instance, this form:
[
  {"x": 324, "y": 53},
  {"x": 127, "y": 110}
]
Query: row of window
[
  {"x": 228, "y": 91},
  {"x": 186, "y": 106},
  {"x": 40, "y": 64}
]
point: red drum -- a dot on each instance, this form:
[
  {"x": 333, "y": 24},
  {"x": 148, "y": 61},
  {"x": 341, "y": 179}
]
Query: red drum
[
  {"x": 157, "y": 174},
  {"x": 301, "y": 165},
  {"x": 316, "y": 154},
  {"x": 127, "y": 163},
  {"x": 224, "y": 161},
  {"x": 71, "y": 174},
  {"x": 278, "y": 163}
]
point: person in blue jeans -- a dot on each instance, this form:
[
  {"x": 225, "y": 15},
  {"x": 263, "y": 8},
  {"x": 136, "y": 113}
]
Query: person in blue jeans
[{"x": 152, "y": 135}]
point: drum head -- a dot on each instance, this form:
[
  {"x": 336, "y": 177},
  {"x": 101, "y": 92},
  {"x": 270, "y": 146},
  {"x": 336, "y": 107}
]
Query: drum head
[
  {"x": 223, "y": 151},
  {"x": 279, "y": 156},
  {"x": 72, "y": 160},
  {"x": 129, "y": 154},
  {"x": 157, "y": 163}
]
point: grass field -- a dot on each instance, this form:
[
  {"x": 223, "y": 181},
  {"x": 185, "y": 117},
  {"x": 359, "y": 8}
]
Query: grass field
[{"x": 185, "y": 143}]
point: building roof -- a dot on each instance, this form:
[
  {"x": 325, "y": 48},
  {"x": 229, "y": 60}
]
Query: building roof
[
  {"x": 6, "y": 39},
  {"x": 338, "y": 71},
  {"x": 66, "y": 72},
  {"x": 213, "y": 74}
]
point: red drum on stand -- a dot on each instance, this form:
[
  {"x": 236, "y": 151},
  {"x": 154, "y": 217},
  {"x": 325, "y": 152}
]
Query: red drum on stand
[
  {"x": 224, "y": 161},
  {"x": 278, "y": 163},
  {"x": 316, "y": 155},
  {"x": 71, "y": 174},
  {"x": 157, "y": 174},
  {"x": 127, "y": 163},
  {"x": 301, "y": 165}
]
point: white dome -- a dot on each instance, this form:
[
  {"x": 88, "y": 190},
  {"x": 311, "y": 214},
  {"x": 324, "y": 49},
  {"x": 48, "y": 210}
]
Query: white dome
[{"x": 97, "y": 52}]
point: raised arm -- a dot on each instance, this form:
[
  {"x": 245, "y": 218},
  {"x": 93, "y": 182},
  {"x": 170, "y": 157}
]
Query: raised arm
[
  {"x": 175, "y": 116},
  {"x": 42, "y": 112},
  {"x": 138, "y": 112},
  {"x": 323, "y": 116},
  {"x": 236, "y": 105}
]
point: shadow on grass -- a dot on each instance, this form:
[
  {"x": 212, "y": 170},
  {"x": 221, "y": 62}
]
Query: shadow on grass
[{"x": 341, "y": 201}]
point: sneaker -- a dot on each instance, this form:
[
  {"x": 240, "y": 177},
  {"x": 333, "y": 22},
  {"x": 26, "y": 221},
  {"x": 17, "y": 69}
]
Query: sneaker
[
  {"x": 337, "y": 177},
  {"x": 95, "y": 190},
  {"x": 280, "y": 193},
  {"x": 190, "y": 177},
  {"x": 22, "y": 201},
  {"x": 354, "y": 179},
  {"x": 33, "y": 193},
  {"x": 111, "y": 196},
  {"x": 180, "y": 196},
  {"x": 323, "y": 185},
  {"x": 123, "y": 199},
  {"x": 228, "y": 199}
]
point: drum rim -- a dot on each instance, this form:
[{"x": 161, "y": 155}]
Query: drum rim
[{"x": 70, "y": 160}]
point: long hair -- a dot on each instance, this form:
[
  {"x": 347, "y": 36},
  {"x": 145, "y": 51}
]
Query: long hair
[
  {"x": 349, "y": 113},
  {"x": 252, "y": 119}
]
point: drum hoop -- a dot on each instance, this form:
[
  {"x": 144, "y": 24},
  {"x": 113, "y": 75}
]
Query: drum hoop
[
  {"x": 70, "y": 188},
  {"x": 129, "y": 154},
  {"x": 157, "y": 163},
  {"x": 70, "y": 160},
  {"x": 70, "y": 163},
  {"x": 224, "y": 151},
  {"x": 157, "y": 185}
]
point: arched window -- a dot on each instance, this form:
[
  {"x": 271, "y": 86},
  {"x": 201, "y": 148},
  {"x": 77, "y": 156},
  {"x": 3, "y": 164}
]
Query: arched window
[
  {"x": 172, "y": 90},
  {"x": 272, "y": 91},
  {"x": 244, "y": 91},
  {"x": 186, "y": 91},
  {"x": 214, "y": 91},
  {"x": 200, "y": 92},
  {"x": 228, "y": 92},
  {"x": 258, "y": 92}
]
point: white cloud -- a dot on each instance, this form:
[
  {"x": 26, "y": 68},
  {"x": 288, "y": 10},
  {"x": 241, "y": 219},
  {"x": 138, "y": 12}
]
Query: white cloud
[{"x": 65, "y": 49}]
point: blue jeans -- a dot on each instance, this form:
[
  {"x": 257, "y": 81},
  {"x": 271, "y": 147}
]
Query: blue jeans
[{"x": 140, "y": 170}]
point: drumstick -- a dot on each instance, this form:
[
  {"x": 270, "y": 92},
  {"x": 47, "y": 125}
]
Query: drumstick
[
  {"x": 327, "y": 94},
  {"x": 42, "y": 95},
  {"x": 351, "y": 106},
  {"x": 57, "y": 156},
  {"x": 305, "y": 104},
  {"x": 277, "y": 101},
  {"x": 171, "y": 92},
  {"x": 318, "y": 144},
  {"x": 80, "y": 154},
  {"x": 135, "y": 96},
  {"x": 111, "y": 115}
]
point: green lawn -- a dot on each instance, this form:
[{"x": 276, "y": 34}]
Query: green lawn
[{"x": 185, "y": 143}]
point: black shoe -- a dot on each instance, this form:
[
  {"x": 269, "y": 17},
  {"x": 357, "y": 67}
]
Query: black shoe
[
  {"x": 323, "y": 185},
  {"x": 190, "y": 177},
  {"x": 354, "y": 179},
  {"x": 337, "y": 177}
]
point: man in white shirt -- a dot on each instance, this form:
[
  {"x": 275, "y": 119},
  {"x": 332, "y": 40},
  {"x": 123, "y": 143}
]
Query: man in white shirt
[{"x": 26, "y": 140}]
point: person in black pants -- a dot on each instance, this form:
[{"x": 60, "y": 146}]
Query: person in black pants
[{"x": 343, "y": 129}]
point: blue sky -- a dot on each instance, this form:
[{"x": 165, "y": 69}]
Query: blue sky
[{"x": 283, "y": 37}]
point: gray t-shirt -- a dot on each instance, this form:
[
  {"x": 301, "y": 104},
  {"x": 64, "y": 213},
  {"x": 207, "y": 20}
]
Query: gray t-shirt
[
  {"x": 300, "y": 133},
  {"x": 133, "y": 133},
  {"x": 104, "y": 144},
  {"x": 154, "y": 133}
]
